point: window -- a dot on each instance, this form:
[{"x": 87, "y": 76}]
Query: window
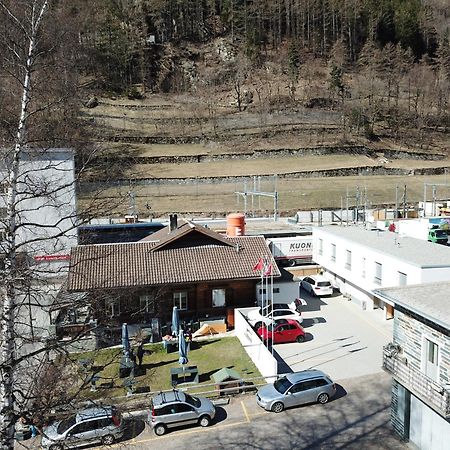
[
  {"x": 402, "y": 279},
  {"x": 333, "y": 252},
  {"x": 320, "y": 251},
  {"x": 182, "y": 407},
  {"x": 180, "y": 300},
  {"x": 147, "y": 303},
  {"x": 378, "y": 272},
  {"x": 431, "y": 357},
  {"x": 3, "y": 187},
  {"x": 307, "y": 385},
  {"x": 321, "y": 382},
  {"x": 275, "y": 290},
  {"x": 113, "y": 307},
  {"x": 363, "y": 267},
  {"x": 85, "y": 427},
  {"x": 218, "y": 297},
  {"x": 103, "y": 423},
  {"x": 348, "y": 263}
]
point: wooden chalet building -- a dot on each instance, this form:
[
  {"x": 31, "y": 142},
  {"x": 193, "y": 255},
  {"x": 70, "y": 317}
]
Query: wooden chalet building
[{"x": 203, "y": 273}]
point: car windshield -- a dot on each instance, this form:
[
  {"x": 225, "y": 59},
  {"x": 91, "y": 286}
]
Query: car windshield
[
  {"x": 65, "y": 424},
  {"x": 283, "y": 312},
  {"x": 282, "y": 385},
  {"x": 323, "y": 283},
  {"x": 441, "y": 233},
  {"x": 194, "y": 401}
]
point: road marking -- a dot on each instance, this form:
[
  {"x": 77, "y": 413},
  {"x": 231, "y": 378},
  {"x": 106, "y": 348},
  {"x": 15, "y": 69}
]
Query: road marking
[
  {"x": 135, "y": 441},
  {"x": 245, "y": 412}
]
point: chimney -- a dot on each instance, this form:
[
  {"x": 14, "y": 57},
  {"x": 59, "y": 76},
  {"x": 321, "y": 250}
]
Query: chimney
[{"x": 173, "y": 222}]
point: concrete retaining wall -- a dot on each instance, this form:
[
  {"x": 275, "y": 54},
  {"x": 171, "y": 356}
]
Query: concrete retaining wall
[{"x": 258, "y": 352}]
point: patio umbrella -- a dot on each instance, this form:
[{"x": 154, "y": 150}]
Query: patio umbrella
[
  {"x": 183, "y": 349},
  {"x": 175, "y": 321},
  {"x": 125, "y": 341}
]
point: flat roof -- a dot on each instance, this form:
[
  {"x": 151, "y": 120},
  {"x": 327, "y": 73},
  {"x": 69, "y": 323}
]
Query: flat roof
[
  {"x": 429, "y": 300},
  {"x": 417, "y": 252}
]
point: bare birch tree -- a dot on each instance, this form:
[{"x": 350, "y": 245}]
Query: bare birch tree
[
  {"x": 38, "y": 84},
  {"x": 8, "y": 357}
]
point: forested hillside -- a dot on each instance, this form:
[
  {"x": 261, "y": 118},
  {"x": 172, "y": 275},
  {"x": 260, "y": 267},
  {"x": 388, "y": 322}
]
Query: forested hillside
[{"x": 121, "y": 33}]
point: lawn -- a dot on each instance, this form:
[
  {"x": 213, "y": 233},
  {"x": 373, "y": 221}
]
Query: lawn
[{"x": 209, "y": 356}]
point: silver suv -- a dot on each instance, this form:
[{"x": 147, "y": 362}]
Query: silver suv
[
  {"x": 100, "y": 424},
  {"x": 307, "y": 386},
  {"x": 176, "y": 408}
]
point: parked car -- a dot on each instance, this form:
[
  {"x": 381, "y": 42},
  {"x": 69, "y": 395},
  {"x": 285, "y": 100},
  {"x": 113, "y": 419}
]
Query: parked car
[
  {"x": 317, "y": 285},
  {"x": 290, "y": 305},
  {"x": 100, "y": 424},
  {"x": 294, "y": 389},
  {"x": 176, "y": 408},
  {"x": 283, "y": 330},
  {"x": 265, "y": 316}
]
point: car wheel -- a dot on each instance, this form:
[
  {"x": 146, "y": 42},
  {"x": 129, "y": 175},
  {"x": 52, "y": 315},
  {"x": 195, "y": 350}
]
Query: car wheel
[
  {"x": 323, "y": 398},
  {"x": 160, "y": 429},
  {"x": 300, "y": 338},
  {"x": 204, "y": 421},
  {"x": 56, "y": 447},
  {"x": 277, "y": 407},
  {"x": 108, "y": 440}
]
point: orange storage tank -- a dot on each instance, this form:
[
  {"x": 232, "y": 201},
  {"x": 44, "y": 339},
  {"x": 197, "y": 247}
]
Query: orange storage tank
[{"x": 235, "y": 224}]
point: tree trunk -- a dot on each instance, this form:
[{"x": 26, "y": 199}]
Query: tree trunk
[{"x": 7, "y": 417}]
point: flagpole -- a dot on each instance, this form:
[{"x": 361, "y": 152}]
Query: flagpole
[
  {"x": 271, "y": 306},
  {"x": 267, "y": 290}
]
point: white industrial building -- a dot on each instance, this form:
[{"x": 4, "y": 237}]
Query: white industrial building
[
  {"x": 358, "y": 261},
  {"x": 46, "y": 206}
]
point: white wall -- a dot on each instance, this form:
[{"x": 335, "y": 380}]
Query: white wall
[
  {"x": 258, "y": 352},
  {"x": 358, "y": 281},
  {"x": 284, "y": 292},
  {"x": 46, "y": 207}
]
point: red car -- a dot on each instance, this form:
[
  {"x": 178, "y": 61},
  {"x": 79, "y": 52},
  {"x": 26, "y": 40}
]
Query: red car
[{"x": 284, "y": 330}]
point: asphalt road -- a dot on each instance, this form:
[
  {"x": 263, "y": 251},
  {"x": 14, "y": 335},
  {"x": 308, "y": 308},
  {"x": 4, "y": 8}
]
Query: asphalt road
[
  {"x": 342, "y": 339},
  {"x": 358, "y": 418}
]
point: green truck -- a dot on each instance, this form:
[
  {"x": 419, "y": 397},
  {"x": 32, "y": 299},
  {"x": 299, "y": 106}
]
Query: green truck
[{"x": 437, "y": 235}]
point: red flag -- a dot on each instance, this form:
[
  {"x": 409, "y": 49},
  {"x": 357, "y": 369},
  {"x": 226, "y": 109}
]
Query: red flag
[
  {"x": 268, "y": 270},
  {"x": 259, "y": 265}
]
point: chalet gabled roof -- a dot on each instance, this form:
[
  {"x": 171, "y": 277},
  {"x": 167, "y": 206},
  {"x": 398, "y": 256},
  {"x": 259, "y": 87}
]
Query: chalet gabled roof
[
  {"x": 180, "y": 237},
  {"x": 141, "y": 264}
]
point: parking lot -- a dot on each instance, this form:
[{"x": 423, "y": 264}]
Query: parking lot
[
  {"x": 357, "y": 418},
  {"x": 342, "y": 339}
]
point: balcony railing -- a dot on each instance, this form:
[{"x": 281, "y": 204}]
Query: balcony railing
[{"x": 435, "y": 395}]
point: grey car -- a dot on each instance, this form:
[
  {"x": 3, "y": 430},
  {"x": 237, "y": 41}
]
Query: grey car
[
  {"x": 307, "y": 386},
  {"x": 100, "y": 424},
  {"x": 176, "y": 408}
]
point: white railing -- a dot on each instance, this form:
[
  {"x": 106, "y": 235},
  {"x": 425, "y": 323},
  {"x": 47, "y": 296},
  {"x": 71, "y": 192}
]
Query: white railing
[{"x": 433, "y": 394}]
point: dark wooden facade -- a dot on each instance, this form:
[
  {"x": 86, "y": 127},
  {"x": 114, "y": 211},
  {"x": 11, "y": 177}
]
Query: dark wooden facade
[{"x": 124, "y": 305}]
